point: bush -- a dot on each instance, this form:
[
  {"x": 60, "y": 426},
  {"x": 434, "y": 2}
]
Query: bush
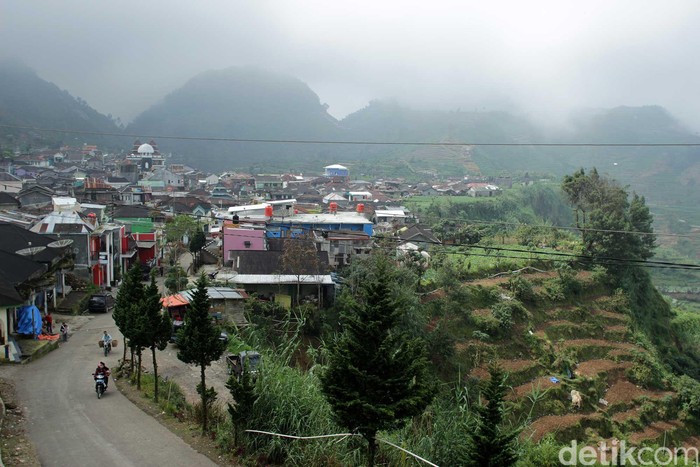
[
  {"x": 543, "y": 454},
  {"x": 504, "y": 314},
  {"x": 553, "y": 291},
  {"x": 689, "y": 394},
  {"x": 567, "y": 278},
  {"x": 646, "y": 371},
  {"x": 522, "y": 288}
]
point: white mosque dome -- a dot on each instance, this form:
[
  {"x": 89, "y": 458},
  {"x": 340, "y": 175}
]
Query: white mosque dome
[{"x": 145, "y": 148}]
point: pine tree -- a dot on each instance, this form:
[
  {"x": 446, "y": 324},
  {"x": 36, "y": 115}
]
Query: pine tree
[
  {"x": 130, "y": 294},
  {"x": 377, "y": 376},
  {"x": 242, "y": 391},
  {"x": 199, "y": 341},
  {"x": 154, "y": 329},
  {"x": 491, "y": 445}
]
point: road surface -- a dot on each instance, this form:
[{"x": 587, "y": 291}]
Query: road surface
[{"x": 71, "y": 427}]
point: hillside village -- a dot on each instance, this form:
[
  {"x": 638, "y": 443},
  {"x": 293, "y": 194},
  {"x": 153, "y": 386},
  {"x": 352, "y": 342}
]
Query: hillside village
[
  {"x": 580, "y": 365},
  {"x": 97, "y": 214}
]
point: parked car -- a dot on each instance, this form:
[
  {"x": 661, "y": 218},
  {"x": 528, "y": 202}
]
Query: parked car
[
  {"x": 102, "y": 302},
  {"x": 247, "y": 360}
]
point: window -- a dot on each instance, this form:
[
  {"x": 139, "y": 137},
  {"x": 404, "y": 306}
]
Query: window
[{"x": 246, "y": 244}]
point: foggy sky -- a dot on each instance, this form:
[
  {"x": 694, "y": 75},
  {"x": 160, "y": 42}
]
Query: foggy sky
[{"x": 541, "y": 58}]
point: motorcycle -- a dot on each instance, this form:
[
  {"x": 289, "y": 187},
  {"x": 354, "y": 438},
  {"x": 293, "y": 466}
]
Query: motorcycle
[
  {"x": 107, "y": 348},
  {"x": 100, "y": 384}
]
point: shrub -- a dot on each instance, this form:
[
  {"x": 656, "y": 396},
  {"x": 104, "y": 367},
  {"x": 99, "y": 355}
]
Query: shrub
[
  {"x": 553, "y": 291},
  {"x": 567, "y": 278},
  {"x": 688, "y": 394},
  {"x": 646, "y": 371},
  {"x": 504, "y": 314},
  {"x": 522, "y": 288},
  {"x": 543, "y": 454}
]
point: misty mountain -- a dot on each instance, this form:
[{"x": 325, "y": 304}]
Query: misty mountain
[
  {"x": 28, "y": 100},
  {"x": 241, "y": 103}
]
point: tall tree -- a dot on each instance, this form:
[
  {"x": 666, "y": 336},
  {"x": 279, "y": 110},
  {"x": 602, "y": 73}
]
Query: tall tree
[
  {"x": 178, "y": 229},
  {"x": 154, "y": 329},
  {"x": 176, "y": 279},
  {"x": 196, "y": 244},
  {"x": 126, "y": 310},
  {"x": 242, "y": 391},
  {"x": 199, "y": 342},
  {"x": 377, "y": 375},
  {"x": 492, "y": 445},
  {"x": 613, "y": 228},
  {"x": 642, "y": 221},
  {"x": 300, "y": 258}
]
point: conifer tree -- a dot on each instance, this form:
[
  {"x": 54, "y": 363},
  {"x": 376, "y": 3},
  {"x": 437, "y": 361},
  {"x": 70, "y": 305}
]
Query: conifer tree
[
  {"x": 242, "y": 391},
  {"x": 130, "y": 294},
  {"x": 199, "y": 341},
  {"x": 491, "y": 445},
  {"x": 377, "y": 376},
  {"x": 154, "y": 329}
]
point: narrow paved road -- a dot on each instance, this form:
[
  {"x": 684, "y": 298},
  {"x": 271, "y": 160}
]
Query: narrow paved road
[{"x": 71, "y": 427}]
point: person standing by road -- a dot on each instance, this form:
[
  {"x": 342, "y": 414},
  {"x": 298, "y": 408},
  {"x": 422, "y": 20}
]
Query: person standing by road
[{"x": 49, "y": 323}]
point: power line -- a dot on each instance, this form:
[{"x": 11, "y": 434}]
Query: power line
[
  {"x": 347, "y": 142},
  {"x": 556, "y": 227},
  {"x": 584, "y": 259}
]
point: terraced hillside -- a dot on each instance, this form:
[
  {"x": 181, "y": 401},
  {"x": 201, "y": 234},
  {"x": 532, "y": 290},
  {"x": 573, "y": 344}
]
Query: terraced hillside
[{"x": 557, "y": 333}]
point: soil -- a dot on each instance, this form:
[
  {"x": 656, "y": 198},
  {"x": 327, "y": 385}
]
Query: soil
[
  {"x": 551, "y": 424},
  {"x": 188, "y": 432},
  {"x": 599, "y": 343},
  {"x": 509, "y": 366},
  {"x": 523, "y": 390},
  {"x": 624, "y": 391},
  {"x": 611, "y": 315},
  {"x": 693, "y": 442},
  {"x": 654, "y": 431},
  {"x": 592, "y": 368},
  {"x": 15, "y": 445},
  {"x": 622, "y": 417}
]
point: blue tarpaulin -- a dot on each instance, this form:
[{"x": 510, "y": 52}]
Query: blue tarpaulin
[{"x": 29, "y": 321}]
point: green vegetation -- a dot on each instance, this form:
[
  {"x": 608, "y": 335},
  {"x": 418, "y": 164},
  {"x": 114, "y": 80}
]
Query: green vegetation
[
  {"x": 199, "y": 344},
  {"x": 492, "y": 444},
  {"x": 153, "y": 329},
  {"x": 376, "y": 376},
  {"x": 599, "y": 329},
  {"x": 126, "y": 308}
]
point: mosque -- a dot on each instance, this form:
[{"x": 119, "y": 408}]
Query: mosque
[{"x": 146, "y": 156}]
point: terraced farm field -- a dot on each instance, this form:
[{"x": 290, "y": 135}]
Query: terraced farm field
[{"x": 554, "y": 347}]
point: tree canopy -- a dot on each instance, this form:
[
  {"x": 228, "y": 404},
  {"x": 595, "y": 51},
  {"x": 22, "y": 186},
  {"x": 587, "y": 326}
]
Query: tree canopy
[
  {"x": 198, "y": 340},
  {"x": 614, "y": 228},
  {"x": 377, "y": 375}
]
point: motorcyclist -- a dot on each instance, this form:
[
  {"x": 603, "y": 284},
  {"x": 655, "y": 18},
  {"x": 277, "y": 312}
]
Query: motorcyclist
[
  {"x": 107, "y": 341},
  {"x": 103, "y": 370}
]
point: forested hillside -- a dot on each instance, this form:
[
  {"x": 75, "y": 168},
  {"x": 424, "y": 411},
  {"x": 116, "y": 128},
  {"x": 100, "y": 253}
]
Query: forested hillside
[
  {"x": 28, "y": 100},
  {"x": 241, "y": 103}
]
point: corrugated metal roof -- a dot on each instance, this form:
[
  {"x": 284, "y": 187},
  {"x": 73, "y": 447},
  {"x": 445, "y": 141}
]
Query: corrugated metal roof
[
  {"x": 251, "y": 279},
  {"x": 217, "y": 293}
]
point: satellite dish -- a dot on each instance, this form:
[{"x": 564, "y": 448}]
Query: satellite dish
[
  {"x": 32, "y": 250},
  {"x": 60, "y": 243}
]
